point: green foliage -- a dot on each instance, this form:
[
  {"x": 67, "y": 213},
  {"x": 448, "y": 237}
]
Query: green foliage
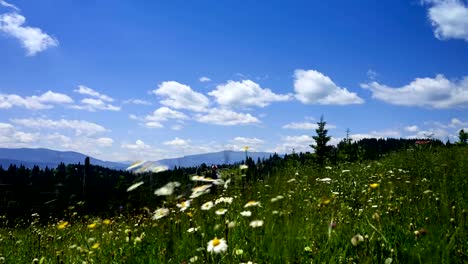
[
  {"x": 463, "y": 137},
  {"x": 322, "y": 151}
]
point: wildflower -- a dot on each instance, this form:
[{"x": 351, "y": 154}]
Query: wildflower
[
  {"x": 62, "y": 225},
  {"x": 256, "y": 223},
  {"x": 92, "y": 226},
  {"x": 217, "y": 245},
  {"x": 239, "y": 252},
  {"x": 246, "y": 213},
  {"x": 307, "y": 249},
  {"x": 106, "y": 221},
  {"x": 200, "y": 190},
  {"x": 228, "y": 200},
  {"x": 183, "y": 205},
  {"x": 221, "y": 211},
  {"x": 137, "y": 240},
  {"x": 252, "y": 203},
  {"x": 95, "y": 245},
  {"x": 189, "y": 214},
  {"x": 193, "y": 229},
  {"x": 134, "y": 186},
  {"x": 327, "y": 180},
  {"x": 243, "y": 167},
  {"x": 231, "y": 224},
  {"x": 160, "y": 213},
  {"x": 207, "y": 206},
  {"x": 277, "y": 198},
  {"x": 167, "y": 189},
  {"x": 328, "y": 167},
  {"x": 374, "y": 185},
  {"x": 356, "y": 240},
  {"x": 193, "y": 259}
]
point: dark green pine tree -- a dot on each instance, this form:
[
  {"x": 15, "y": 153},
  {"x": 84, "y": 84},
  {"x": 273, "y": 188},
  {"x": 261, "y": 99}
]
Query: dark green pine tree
[
  {"x": 463, "y": 137},
  {"x": 322, "y": 151}
]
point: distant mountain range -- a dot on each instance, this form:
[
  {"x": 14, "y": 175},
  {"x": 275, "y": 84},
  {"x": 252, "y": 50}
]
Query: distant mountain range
[{"x": 51, "y": 158}]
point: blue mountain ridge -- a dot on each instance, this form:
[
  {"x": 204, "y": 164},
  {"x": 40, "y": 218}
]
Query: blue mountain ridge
[{"x": 43, "y": 157}]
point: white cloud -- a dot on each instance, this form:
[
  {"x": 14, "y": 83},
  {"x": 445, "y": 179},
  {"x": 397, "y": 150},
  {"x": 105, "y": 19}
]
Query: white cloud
[
  {"x": 92, "y": 104},
  {"x": 226, "y": 118},
  {"x": 79, "y": 126},
  {"x": 6, "y": 4},
  {"x": 299, "y": 143},
  {"x": 371, "y": 74},
  {"x": 177, "y": 142},
  {"x": 137, "y": 102},
  {"x": 181, "y": 96},
  {"x": 139, "y": 145},
  {"x": 31, "y": 38},
  {"x": 244, "y": 94},
  {"x": 204, "y": 79},
  {"x": 238, "y": 143},
  {"x": 455, "y": 122},
  {"x": 305, "y": 126},
  {"x": 105, "y": 142},
  {"x": 88, "y": 91},
  {"x": 177, "y": 127},
  {"x": 412, "y": 128},
  {"x": 164, "y": 114},
  {"x": 449, "y": 18},
  {"x": 34, "y": 102},
  {"x": 10, "y": 137},
  {"x": 437, "y": 92},
  {"x": 377, "y": 134},
  {"x": 313, "y": 87}
]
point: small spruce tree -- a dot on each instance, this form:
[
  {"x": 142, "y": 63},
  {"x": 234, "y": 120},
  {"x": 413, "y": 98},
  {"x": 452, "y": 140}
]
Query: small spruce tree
[
  {"x": 322, "y": 151},
  {"x": 463, "y": 137}
]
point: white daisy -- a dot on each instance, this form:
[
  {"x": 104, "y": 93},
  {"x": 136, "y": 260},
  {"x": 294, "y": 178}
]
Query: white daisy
[
  {"x": 217, "y": 246},
  {"x": 246, "y": 213},
  {"x": 221, "y": 211},
  {"x": 256, "y": 223},
  {"x": 252, "y": 203},
  {"x": 134, "y": 186},
  {"x": 207, "y": 206},
  {"x": 160, "y": 213}
]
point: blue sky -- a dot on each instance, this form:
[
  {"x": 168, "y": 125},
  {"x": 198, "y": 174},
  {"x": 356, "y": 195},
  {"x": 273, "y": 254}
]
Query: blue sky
[{"x": 123, "y": 80}]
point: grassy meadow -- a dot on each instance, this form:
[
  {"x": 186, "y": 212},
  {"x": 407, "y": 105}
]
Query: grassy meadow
[{"x": 408, "y": 207}]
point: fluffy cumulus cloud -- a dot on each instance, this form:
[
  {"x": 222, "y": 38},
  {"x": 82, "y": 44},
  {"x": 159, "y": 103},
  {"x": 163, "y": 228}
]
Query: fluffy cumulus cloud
[
  {"x": 6, "y": 4},
  {"x": 33, "y": 39},
  {"x": 449, "y": 18},
  {"x": 163, "y": 114},
  {"x": 105, "y": 142},
  {"x": 97, "y": 101},
  {"x": 239, "y": 143},
  {"x": 438, "y": 92},
  {"x": 245, "y": 93},
  {"x": 313, "y": 87},
  {"x": 305, "y": 126},
  {"x": 204, "y": 79},
  {"x": 289, "y": 144},
  {"x": 181, "y": 96},
  {"x": 88, "y": 91},
  {"x": 412, "y": 128},
  {"x": 10, "y": 137},
  {"x": 43, "y": 101},
  {"x": 377, "y": 134},
  {"x": 226, "y": 117},
  {"x": 178, "y": 142},
  {"x": 139, "y": 145},
  {"x": 80, "y": 127},
  {"x": 92, "y": 104}
]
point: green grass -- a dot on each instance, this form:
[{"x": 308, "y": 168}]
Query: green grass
[{"x": 416, "y": 214}]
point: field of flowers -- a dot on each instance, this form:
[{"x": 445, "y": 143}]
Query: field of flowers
[{"x": 409, "y": 207}]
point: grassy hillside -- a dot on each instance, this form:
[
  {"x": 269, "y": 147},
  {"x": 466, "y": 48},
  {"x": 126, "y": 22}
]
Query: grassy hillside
[{"x": 409, "y": 207}]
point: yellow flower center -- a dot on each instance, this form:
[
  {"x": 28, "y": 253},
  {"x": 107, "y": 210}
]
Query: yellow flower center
[
  {"x": 374, "y": 185},
  {"x": 216, "y": 242}
]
